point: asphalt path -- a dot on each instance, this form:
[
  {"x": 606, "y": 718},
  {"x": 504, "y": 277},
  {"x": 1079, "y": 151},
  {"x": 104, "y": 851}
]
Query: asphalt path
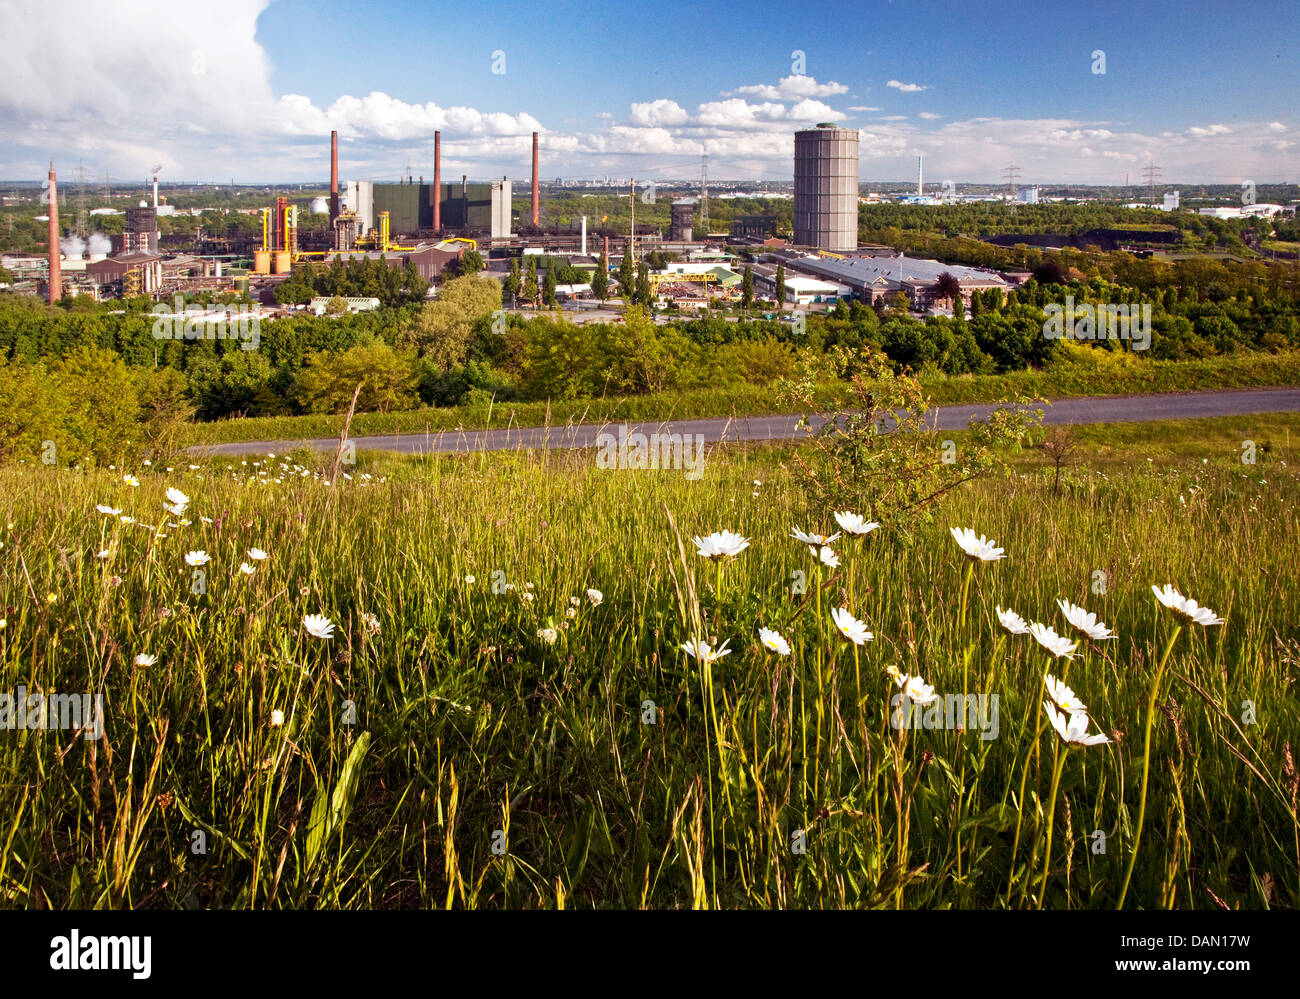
[{"x": 1108, "y": 409}]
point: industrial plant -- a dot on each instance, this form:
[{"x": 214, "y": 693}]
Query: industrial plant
[{"x": 428, "y": 225}]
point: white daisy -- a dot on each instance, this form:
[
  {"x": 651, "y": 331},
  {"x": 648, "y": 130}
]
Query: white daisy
[
  {"x": 854, "y": 524},
  {"x": 1084, "y": 621},
  {"x": 1075, "y": 730},
  {"x": 773, "y": 641},
  {"x": 595, "y": 597},
  {"x": 318, "y": 626},
  {"x": 1013, "y": 622},
  {"x": 700, "y": 650},
  {"x": 1185, "y": 606},
  {"x": 720, "y": 544},
  {"x": 828, "y": 558},
  {"x": 1052, "y": 642},
  {"x": 1063, "y": 695},
  {"x": 850, "y": 627},
  {"x": 814, "y": 541},
  {"x": 256, "y": 554},
  {"x": 197, "y": 558},
  {"x": 980, "y": 548}
]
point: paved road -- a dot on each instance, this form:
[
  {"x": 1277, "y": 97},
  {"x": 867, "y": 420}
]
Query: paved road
[{"x": 1112, "y": 409}]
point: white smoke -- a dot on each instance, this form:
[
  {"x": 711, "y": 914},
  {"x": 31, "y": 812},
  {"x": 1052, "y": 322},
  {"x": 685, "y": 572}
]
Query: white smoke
[{"x": 74, "y": 247}]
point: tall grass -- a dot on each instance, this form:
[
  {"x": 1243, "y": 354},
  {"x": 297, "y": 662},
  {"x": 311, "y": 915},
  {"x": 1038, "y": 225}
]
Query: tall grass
[{"x": 487, "y": 768}]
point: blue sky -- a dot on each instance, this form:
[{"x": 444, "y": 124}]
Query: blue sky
[{"x": 249, "y": 89}]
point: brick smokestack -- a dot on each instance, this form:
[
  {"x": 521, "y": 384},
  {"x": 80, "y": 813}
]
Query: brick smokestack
[
  {"x": 437, "y": 182},
  {"x": 56, "y": 270},
  {"x": 535, "y": 212},
  {"x": 334, "y": 175}
]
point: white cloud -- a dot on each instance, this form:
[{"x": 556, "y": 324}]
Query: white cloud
[
  {"x": 791, "y": 88},
  {"x": 907, "y": 88},
  {"x": 660, "y": 112},
  {"x": 1209, "y": 130},
  {"x": 860, "y": 107},
  {"x": 930, "y": 116}
]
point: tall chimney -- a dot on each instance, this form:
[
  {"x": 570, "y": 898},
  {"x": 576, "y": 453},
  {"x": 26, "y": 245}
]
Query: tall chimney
[
  {"x": 535, "y": 213},
  {"x": 155, "y": 192},
  {"x": 334, "y": 175},
  {"x": 56, "y": 270},
  {"x": 437, "y": 182},
  {"x": 584, "y": 235},
  {"x": 920, "y": 187}
]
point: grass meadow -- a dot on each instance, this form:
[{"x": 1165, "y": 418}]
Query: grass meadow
[{"x": 439, "y": 750}]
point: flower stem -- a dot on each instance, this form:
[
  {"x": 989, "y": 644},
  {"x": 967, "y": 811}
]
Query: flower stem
[{"x": 1146, "y": 764}]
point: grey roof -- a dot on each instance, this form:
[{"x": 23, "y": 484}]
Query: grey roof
[{"x": 862, "y": 271}]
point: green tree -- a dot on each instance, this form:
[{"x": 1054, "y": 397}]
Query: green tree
[
  {"x": 600, "y": 279},
  {"x": 644, "y": 295},
  {"x": 513, "y": 282},
  {"x": 387, "y": 379},
  {"x": 627, "y": 275},
  {"x": 442, "y": 329},
  {"x": 747, "y": 288},
  {"x": 471, "y": 262},
  {"x": 780, "y": 287},
  {"x": 548, "y": 286}
]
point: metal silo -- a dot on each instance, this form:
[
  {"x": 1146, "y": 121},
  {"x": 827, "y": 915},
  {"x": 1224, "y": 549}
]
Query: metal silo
[{"x": 826, "y": 188}]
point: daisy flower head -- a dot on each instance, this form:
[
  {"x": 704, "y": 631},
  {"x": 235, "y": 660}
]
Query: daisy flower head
[
  {"x": 828, "y": 558},
  {"x": 703, "y": 653},
  {"x": 1084, "y": 621},
  {"x": 277, "y": 718},
  {"x": 916, "y": 689},
  {"x": 773, "y": 642},
  {"x": 853, "y": 523},
  {"x": 720, "y": 545},
  {"x": 1052, "y": 642},
  {"x": 979, "y": 548},
  {"x": 1063, "y": 696},
  {"x": 108, "y": 511},
  {"x": 1185, "y": 607},
  {"x": 144, "y": 659},
  {"x": 177, "y": 498},
  {"x": 246, "y": 569},
  {"x": 595, "y": 597},
  {"x": 197, "y": 558},
  {"x": 850, "y": 627},
  {"x": 1074, "y": 730},
  {"x": 813, "y": 540},
  {"x": 1013, "y": 622},
  {"x": 548, "y": 635},
  {"x": 318, "y": 625},
  {"x": 256, "y": 554}
]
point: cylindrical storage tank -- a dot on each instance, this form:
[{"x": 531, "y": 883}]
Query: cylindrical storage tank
[
  {"x": 261, "y": 261},
  {"x": 241, "y": 285},
  {"x": 319, "y": 206},
  {"x": 283, "y": 262},
  {"x": 826, "y": 188}
]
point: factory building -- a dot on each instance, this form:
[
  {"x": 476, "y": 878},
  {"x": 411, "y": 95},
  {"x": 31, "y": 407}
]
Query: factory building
[
  {"x": 140, "y": 233},
  {"x": 482, "y": 207},
  {"x": 826, "y": 187},
  {"x": 681, "y": 226},
  {"x": 872, "y": 279}
]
